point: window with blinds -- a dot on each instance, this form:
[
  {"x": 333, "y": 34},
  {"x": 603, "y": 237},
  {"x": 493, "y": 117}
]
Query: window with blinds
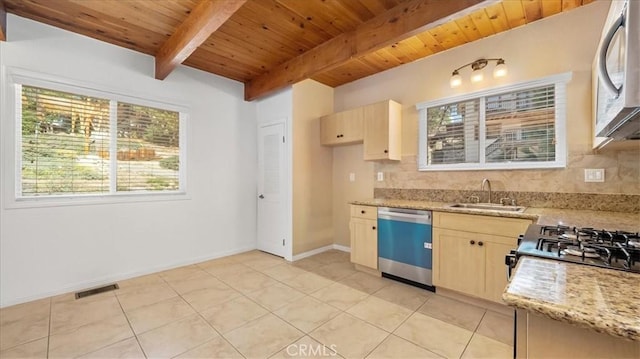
[
  {"x": 453, "y": 135},
  {"x": 73, "y": 144},
  {"x": 520, "y": 127}
]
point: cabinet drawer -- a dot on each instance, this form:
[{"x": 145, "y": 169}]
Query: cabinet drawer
[
  {"x": 477, "y": 237},
  {"x": 501, "y": 226},
  {"x": 366, "y": 212}
]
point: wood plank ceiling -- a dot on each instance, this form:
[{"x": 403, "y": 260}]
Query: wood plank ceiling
[{"x": 270, "y": 44}]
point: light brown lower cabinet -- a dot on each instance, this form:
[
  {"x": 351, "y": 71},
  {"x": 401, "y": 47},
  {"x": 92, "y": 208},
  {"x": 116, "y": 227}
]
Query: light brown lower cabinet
[
  {"x": 541, "y": 337},
  {"x": 364, "y": 236},
  {"x": 469, "y": 252}
]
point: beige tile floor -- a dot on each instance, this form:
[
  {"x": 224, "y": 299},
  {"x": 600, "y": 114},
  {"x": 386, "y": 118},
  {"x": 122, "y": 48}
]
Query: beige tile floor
[{"x": 256, "y": 305}]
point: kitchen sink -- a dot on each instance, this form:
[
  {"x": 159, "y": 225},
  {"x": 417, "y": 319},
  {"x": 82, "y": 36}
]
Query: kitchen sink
[{"x": 488, "y": 206}]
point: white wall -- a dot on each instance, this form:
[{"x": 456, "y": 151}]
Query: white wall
[{"x": 50, "y": 250}]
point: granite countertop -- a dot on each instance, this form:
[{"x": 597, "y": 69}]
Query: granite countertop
[
  {"x": 603, "y": 299},
  {"x": 546, "y": 216}
]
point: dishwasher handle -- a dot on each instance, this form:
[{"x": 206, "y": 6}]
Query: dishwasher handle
[{"x": 405, "y": 216}]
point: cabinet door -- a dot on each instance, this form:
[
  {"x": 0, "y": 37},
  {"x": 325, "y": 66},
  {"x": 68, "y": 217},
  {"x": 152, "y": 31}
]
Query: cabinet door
[
  {"x": 364, "y": 242},
  {"x": 329, "y": 131},
  {"x": 460, "y": 261},
  {"x": 351, "y": 125},
  {"x": 495, "y": 269},
  {"x": 382, "y": 131}
]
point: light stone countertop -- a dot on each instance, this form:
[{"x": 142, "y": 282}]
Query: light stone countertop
[
  {"x": 547, "y": 216},
  {"x": 603, "y": 299}
]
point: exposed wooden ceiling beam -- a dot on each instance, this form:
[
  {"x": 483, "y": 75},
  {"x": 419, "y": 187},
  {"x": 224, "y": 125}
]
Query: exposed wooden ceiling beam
[
  {"x": 203, "y": 20},
  {"x": 3, "y": 22},
  {"x": 399, "y": 23}
]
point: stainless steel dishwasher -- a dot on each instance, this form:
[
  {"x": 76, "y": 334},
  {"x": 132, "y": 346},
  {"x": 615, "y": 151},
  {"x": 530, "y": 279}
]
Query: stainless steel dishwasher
[{"x": 404, "y": 245}]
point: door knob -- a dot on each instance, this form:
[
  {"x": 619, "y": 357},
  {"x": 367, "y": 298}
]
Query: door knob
[{"x": 261, "y": 196}]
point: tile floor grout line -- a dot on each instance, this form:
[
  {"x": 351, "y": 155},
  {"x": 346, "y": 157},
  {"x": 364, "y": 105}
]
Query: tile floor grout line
[
  {"x": 287, "y": 345},
  {"x": 135, "y": 335},
  {"x": 211, "y": 325},
  {"x": 404, "y": 321},
  {"x": 376, "y": 347},
  {"x": 480, "y": 321},
  {"x": 49, "y": 330},
  {"x": 221, "y": 336},
  {"x": 166, "y": 324},
  {"x": 411, "y": 341},
  {"x": 472, "y": 334}
]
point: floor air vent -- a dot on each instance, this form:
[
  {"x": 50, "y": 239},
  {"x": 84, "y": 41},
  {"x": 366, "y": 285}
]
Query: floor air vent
[{"x": 94, "y": 291}]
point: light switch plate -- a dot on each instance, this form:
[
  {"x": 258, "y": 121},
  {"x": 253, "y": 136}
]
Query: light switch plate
[
  {"x": 594, "y": 174},
  {"x": 380, "y": 176},
  {"x": 352, "y": 177}
]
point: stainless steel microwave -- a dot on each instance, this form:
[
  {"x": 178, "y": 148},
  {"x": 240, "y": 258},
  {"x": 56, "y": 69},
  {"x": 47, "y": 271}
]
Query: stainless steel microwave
[{"x": 616, "y": 73}]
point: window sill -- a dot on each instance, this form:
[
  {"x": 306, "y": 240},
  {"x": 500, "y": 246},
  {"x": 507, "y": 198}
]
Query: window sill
[
  {"x": 89, "y": 200},
  {"x": 493, "y": 166}
]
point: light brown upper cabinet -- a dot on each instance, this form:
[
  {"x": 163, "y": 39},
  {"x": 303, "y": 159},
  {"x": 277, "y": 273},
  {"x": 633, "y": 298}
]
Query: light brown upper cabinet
[
  {"x": 383, "y": 131},
  {"x": 378, "y": 125},
  {"x": 342, "y": 128}
]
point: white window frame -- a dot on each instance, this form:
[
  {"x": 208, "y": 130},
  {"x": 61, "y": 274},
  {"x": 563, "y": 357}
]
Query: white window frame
[
  {"x": 16, "y": 77},
  {"x": 559, "y": 81}
]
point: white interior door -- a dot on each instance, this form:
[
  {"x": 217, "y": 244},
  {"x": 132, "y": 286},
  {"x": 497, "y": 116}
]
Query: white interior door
[{"x": 271, "y": 190}]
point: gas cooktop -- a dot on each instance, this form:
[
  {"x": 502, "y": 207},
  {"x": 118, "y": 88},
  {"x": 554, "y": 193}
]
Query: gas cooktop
[{"x": 598, "y": 247}]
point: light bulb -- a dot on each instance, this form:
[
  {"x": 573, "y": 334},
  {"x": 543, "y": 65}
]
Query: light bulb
[
  {"x": 477, "y": 75},
  {"x": 500, "y": 70},
  {"x": 456, "y": 79}
]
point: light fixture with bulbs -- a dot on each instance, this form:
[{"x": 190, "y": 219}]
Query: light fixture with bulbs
[{"x": 478, "y": 73}]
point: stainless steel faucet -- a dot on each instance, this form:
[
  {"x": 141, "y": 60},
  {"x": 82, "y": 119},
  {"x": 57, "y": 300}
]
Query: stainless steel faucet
[{"x": 488, "y": 183}]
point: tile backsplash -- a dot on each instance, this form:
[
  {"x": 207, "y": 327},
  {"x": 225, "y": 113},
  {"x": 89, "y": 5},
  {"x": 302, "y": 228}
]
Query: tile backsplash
[
  {"x": 556, "y": 188},
  {"x": 622, "y": 176}
]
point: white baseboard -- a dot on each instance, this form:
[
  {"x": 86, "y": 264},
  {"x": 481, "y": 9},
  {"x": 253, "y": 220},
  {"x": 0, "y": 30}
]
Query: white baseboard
[
  {"x": 109, "y": 279},
  {"x": 342, "y": 248},
  {"x": 313, "y": 252}
]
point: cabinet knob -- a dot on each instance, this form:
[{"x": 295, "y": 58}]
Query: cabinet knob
[
  {"x": 374, "y": 228},
  {"x": 480, "y": 244},
  {"x": 363, "y": 212},
  {"x": 337, "y": 136},
  {"x": 472, "y": 242},
  {"x": 386, "y": 151}
]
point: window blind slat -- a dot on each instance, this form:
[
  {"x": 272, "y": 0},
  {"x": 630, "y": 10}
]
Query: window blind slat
[
  {"x": 453, "y": 133},
  {"x": 60, "y": 144},
  {"x": 521, "y": 126},
  {"x": 66, "y": 147},
  {"x": 148, "y": 148}
]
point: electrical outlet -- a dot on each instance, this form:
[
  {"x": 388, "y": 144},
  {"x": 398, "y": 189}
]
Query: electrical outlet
[
  {"x": 594, "y": 174},
  {"x": 352, "y": 177},
  {"x": 380, "y": 176}
]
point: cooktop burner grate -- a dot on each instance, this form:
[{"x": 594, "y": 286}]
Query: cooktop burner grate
[{"x": 600, "y": 247}]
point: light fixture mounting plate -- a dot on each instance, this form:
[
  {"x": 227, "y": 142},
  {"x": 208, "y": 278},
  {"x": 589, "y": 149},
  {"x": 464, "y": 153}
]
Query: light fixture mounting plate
[{"x": 479, "y": 64}]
